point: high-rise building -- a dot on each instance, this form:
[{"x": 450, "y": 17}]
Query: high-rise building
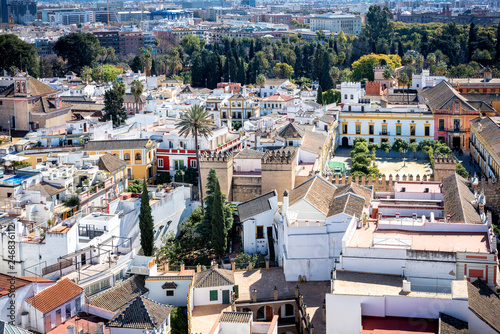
[
  {"x": 4, "y": 12},
  {"x": 23, "y": 11}
]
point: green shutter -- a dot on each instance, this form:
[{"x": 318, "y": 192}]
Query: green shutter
[
  {"x": 235, "y": 289},
  {"x": 213, "y": 295}
]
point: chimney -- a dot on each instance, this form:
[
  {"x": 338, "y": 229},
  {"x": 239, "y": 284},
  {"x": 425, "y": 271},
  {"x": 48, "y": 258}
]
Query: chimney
[
  {"x": 297, "y": 289},
  {"x": 275, "y": 293},
  {"x": 284, "y": 205},
  {"x": 198, "y": 268},
  {"x": 70, "y": 329},
  {"x": 254, "y": 295},
  {"x": 100, "y": 328}
]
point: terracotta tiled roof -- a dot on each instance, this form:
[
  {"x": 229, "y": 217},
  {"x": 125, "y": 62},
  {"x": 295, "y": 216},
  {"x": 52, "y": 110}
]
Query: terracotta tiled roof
[
  {"x": 349, "y": 204},
  {"x": 355, "y": 188},
  {"x": 484, "y": 303},
  {"x": 490, "y": 131},
  {"x": 142, "y": 313},
  {"x": 109, "y": 145},
  {"x": 248, "y": 153},
  {"x": 36, "y": 87},
  {"x": 452, "y": 325},
  {"x": 36, "y": 279},
  {"x": 236, "y": 317},
  {"x": 457, "y": 200},
  {"x": 442, "y": 96},
  {"x": 169, "y": 285},
  {"x": 5, "y": 283},
  {"x": 56, "y": 295},
  {"x": 316, "y": 191},
  {"x": 278, "y": 97},
  {"x": 291, "y": 131},
  {"x": 130, "y": 98},
  {"x": 109, "y": 163},
  {"x": 118, "y": 297},
  {"x": 213, "y": 277},
  {"x": 255, "y": 206}
]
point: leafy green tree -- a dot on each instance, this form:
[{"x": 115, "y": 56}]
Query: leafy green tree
[
  {"x": 399, "y": 145},
  {"x": 146, "y": 224},
  {"x": 319, "y": 96},
  {"x": 386, "y": 146},
  {"x": 331, "y": 96},
  {"x": 363, "y": 67},
  {"x": 261, "y": 79},
  {"x": 191, "y": 43},
  {"x": 179, "y": 321},
  {"x": 414, "y": 148},
  {"x": 219, "y": 233},
  {"x": 135, "y": 187},
  {"x": 110, "y": 72},
  {"x": 79, "y": 49},
  {"x": 195, "y": 122},
  {"x": 113, "y": 105},
  {"x": 359, "y": 140},
  {"x": 460, "y": 170},
  {"x": 378, "y": 24},
  {"x": 136, "y": 64},
  {"x": 283, "y": 70},
  {"x": 16, "y": 52}
]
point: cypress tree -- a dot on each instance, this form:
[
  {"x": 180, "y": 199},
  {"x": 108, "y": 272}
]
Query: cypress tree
[
  {"x": 401, "y": 51},
  {"x": 497, "y": 45},
  {"x": 251, "y": 52},
  {"x": 472, "y": 40},
  {"x": 153, "y": 67},
  {"x": 219, "y": 233},
  {"x": 319, "y": 97},
  {"x": 241, "y": 72},
  {"x": 146, "y": 223}
]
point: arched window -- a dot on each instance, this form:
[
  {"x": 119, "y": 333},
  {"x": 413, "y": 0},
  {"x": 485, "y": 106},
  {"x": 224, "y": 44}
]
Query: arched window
[
  {"x": 126, "y": 157},
  {"x": 352, "y": 97},
  {"x": 138, "y": 156}
]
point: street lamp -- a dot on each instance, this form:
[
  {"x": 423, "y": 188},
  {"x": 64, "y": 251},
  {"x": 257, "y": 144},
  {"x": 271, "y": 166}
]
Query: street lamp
[{"x": 404, "y": 157}]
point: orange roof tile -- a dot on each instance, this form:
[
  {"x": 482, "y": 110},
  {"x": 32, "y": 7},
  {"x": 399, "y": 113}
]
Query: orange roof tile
[
  {"x": 58, "y": 294},
  {"x": 36, "y": 279},
  {"x": 5, "y": 281}
]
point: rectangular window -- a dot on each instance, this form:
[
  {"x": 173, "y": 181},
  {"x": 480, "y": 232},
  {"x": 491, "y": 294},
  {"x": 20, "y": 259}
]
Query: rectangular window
[
  {"x": 260, "y": 232},
  {"x": 384, "y": 129},
  {"x": 344, "y": 131},
  {"x": 170, "y": 293},
  {"x": 427, "y": 131},
  {"x": 371, "y": 128},
  {"x": 289, "y": 310},
  {"x": 193, "y": 163},
  {"x": 412, "y": 140},
  {"x": 160, "y": 163},
  {"x": 398, "y": 130},
  {"x": 178, "y": 164},
  {"x": 412, "y": 129},
  {"x": 214, "y": 295},
  {"x": 370, "y": 140},
  {"x": 358, "y": 129},
  {"x": 441, "y": 125}
]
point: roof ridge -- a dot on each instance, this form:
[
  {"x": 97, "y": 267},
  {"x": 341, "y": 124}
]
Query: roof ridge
[
  {"x": 460, "y": 197},
  {"x": 112, "y": 288},
  {"x": 147, "y": 311}
]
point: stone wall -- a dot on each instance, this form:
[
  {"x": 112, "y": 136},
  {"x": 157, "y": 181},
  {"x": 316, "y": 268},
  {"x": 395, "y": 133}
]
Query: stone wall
[
  {"x": 223, "y": 164},
  {"x": 381, "y": 183},
  {"x": 246, "y": 187}
]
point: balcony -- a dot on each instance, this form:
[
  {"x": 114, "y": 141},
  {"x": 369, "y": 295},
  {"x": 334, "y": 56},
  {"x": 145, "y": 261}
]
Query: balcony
[
  {"x": 384, "y": 133},
  {"x": 456, "y": 129}
]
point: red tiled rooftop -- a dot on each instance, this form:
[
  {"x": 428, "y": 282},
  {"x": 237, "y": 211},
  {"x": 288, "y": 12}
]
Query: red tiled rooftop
[
  {"x": 394, "y": 325},
  {"x": 278, "y": 98},
  {"x": 58, "y": 294},
  {"x": 5, "y": 282},
  {"x": 36, "y": 279}
]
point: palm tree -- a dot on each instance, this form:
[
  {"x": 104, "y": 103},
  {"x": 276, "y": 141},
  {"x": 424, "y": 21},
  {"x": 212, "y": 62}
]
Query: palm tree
[
  {"x": 387, "y": 74},
  {"x": 404, "y": 80},
  {"x": 137, "y": 88},
  {"x": 194, "y": 122}
]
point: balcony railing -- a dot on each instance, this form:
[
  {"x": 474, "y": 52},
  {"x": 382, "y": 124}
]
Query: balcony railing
[
  {"x": 458, "y": 129},
  {"x": 384, "y": 133}
]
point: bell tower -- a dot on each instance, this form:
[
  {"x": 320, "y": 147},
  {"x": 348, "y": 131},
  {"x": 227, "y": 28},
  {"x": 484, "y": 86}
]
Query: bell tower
[{"x": 21, "y": 85}]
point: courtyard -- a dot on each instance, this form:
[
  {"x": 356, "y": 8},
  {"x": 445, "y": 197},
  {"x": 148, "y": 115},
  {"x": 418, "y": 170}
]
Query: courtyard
[{"x": 392, "y": 163}]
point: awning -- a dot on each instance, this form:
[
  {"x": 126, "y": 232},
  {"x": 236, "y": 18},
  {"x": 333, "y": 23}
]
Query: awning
[{"x": 13, "y": 157}]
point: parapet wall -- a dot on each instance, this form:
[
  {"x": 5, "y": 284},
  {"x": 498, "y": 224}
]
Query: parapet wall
[{"x": 381, "y": 183}]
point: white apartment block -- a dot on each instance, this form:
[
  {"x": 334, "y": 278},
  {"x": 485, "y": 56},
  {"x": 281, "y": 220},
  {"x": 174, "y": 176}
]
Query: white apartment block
[{"x": 335, "y": 23}]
